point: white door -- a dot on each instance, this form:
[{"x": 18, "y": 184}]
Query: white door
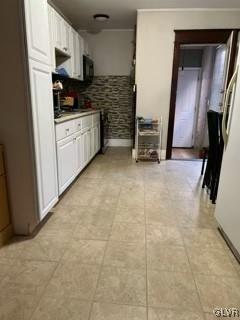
[
  {"x": 185, "y": 108},
  {"x": 44, "y": 135},
  {"x": 218, "y": 78},
  {"x": 66, "y": 162},
  {"x": 79, "y": 160},
  {"x": 36, "y": 16}
]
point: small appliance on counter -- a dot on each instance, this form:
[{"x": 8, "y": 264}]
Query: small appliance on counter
[
  {"x": 57, "y": 88},
  {"x": 70, "y": 102}
]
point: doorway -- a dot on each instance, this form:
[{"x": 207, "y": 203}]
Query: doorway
[{"x": 202, "y": 67}]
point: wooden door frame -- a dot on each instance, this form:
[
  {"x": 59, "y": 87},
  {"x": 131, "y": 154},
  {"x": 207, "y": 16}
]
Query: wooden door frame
[{"x": 206, "y": 36}]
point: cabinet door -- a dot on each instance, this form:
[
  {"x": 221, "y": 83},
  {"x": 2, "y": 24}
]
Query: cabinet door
[
  {"x": 51, "y": 22},
  {"x": 85, "y": 148},
  {"x": 71, "y": 52},
  {"x": 66, "y": 155},
  {"x": 92, "y": 143},
  {"x": 44, "y": 135},
  {"x": 57, "y": 30},
  {"x": 36, "y": 17},
  {"x": 77, "y": 56},
  {"x": 65, "y": 30},
  {"x": 96, "y": 138},
  {"x": 79, "y": 160},
  {"x": 99, "y": 137}
]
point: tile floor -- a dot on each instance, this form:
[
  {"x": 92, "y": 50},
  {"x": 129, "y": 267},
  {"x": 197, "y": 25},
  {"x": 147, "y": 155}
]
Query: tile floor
[{"x": 127, "y": 242}]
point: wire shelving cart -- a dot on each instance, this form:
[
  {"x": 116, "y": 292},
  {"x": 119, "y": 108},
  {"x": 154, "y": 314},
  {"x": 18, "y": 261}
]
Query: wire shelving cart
[{"x": 148, "y": 139}]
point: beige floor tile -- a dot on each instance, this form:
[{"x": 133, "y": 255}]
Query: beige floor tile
[
  {"x": 130, "y": 215},
  {"x": 163, "y": 314},
  {"x": 110, "y": 189},
  {"x": 210, "y": 316},
  {"x": 85, "y": 251},
  {"x": 67, "y": 215},
  {"x": 12, "y": 249},
  {"x": 131, "y": 199},
  {"x": 172, "y": 290},
  {"x": 195, "y": 219},
  {"x": 17, "y": 306},
  {"x": 106, "y": 201},
  {"x": 163, "y": 215},
  {"x": 165, "y": 235},
  {"x": 92, "y": 231},
  {"x": 5, "y": 266},
  {"x": 27, "y": 277},
  {"x": 74, "y": 198},
  {"x": 167, "y": 258},
  {"x": 98, "y": 215},
  {"x": 218, "y": 291},
  {"x": 104, "y": 311},
  {"x": 211, "y": 261},
  {"x": 62, "y": 309},
  {"x": 72, "y": 279},
  {"x": 44, "y": 247},
  {"x": 198, "y": 237},
  {"x": 122, "y": 286},
  {"x": 127, "y": 232},
  {"x": 125, "y": 255}
]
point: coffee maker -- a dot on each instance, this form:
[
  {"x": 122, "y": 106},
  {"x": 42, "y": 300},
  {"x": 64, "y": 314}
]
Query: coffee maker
[{"x": 57, "y": 88}]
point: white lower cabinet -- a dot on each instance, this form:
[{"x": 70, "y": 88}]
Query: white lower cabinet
[
  {"x": 78, "y": 149},
  {"x": 96, "y": 138},
  {"x": 66, "y": 162},
  {"x": 78, "y": 142}
]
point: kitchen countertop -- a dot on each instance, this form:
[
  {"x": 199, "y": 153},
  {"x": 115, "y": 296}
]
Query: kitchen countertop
[{"x": 74, "y": 115}]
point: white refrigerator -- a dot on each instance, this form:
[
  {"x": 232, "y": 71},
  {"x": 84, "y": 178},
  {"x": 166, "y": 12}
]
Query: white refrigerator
[{"x": 227, "y": 210}]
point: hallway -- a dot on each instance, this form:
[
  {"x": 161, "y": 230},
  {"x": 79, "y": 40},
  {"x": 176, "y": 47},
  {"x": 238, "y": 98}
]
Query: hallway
[{"x": 127, "y": 242}]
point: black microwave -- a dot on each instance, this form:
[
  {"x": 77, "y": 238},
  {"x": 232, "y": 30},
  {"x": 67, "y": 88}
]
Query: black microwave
[{"x": 88, "y": 69}]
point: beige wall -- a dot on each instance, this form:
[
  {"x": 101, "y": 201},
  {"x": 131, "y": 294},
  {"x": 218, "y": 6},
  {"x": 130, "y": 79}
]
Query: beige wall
[
  {"x": 155, "y": 44},
  {"x": 111, "y": 50}
]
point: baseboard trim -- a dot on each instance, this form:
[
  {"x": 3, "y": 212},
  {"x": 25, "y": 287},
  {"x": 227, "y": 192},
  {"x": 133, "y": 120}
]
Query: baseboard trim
[{"x": 120, "y": 143}]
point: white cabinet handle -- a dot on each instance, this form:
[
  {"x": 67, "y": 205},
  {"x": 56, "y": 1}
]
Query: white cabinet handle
[{"x": 225, "y": 107}]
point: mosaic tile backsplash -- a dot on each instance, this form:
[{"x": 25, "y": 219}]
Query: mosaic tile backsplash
[{"x": 114, "y": 95}]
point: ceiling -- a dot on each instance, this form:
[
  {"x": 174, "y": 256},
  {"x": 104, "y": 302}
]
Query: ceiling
[{"x": 123, "y": 12}]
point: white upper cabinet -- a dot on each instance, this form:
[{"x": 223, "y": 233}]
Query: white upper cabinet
[
  {"x": 44, "y": 135},
  {"x": 77, "y": 44},
  {"x": 51, "y": 22},
  {"x": 70, "y": 44},
  {"x": 57, "y": 29},
  {"x": 36, "y": 17},
  {"x": 60, "y": 30},
  {"x": 65, "y": 36}
]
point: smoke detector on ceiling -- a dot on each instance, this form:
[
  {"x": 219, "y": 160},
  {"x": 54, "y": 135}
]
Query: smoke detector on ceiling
[{"x": 102, "y": 17}]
